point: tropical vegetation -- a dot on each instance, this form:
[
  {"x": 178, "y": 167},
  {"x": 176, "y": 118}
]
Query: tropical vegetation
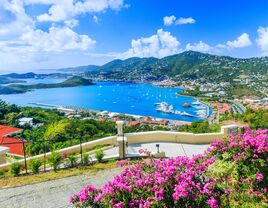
[
  {"x": 200, "y": 127},
  {"x": 256, "y": 119},
  {"x": 232, "y": 173}
]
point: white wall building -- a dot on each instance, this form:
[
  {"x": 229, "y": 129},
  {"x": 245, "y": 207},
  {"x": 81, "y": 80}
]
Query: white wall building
[{"x": 26, "y": 121}]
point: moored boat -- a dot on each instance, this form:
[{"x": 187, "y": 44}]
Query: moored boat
[{"x": 186, "y": 105}]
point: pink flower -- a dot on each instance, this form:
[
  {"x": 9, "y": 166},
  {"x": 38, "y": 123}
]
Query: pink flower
[
  {"x": 212, "y": 202},
  {"x": 147, "y": 204},
  {"x": 119, "y": 205},
  {"x": 180, "y": 191},
  {"x": 182, "y": 179},
  {"x": 71, "y": 199},
  {"x": 259, "y": 177}
]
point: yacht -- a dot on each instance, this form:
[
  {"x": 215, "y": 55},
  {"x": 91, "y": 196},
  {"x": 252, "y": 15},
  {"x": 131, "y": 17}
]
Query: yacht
[{"x": 164, "y": 107}]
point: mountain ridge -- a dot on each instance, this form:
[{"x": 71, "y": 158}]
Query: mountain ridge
[
  {"x": 189, "y": 65},
  {"x": 186, "y": 65}
]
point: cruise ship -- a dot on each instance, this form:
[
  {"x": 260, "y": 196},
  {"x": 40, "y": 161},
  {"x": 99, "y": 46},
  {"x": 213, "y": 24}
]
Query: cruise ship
[{"x": 164, "y": 107}]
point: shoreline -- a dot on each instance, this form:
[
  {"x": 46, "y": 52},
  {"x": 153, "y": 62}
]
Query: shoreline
[
  {"x": 128, "y": 114},
  {"x": 70, "y": 108}
]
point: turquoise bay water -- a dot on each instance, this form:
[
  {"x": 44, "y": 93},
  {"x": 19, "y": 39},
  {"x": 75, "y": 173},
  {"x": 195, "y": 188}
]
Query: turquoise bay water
[{"x": 128, "y": 98}]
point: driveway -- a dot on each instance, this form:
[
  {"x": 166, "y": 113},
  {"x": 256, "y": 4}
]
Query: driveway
[{"x": 52, "y": 194}]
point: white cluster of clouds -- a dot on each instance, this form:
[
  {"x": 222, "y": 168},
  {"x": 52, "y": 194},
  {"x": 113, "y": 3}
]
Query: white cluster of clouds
[
  {"x": 172, "y": 20},
  {"x": 163, "y": 43},
  {"x": 242, "y": 41},
  {"x": 22, "y": 41},
  {"x": 262, "y": 40},
  {"x": 169, "y": 20},
  {"x": 159, "y": 45},
  {"x": 62, "y": 10},
  {"x": 200, "y": 46},
  {"x": 57, "y": 39}
]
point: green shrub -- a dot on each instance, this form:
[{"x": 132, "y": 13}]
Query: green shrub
[
  {"x": 35, "y": 165},
  {"x": 55, "y": 160},
  {"x": 15, "y": 169},
  {"x": 99, "y": 155},
  {"x": 86, "y": 159},
  {"x": 71, "y": 161}
]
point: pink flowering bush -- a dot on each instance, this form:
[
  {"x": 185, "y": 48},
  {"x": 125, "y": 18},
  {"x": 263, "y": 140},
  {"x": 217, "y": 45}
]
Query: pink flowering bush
[
  {"x": 241, "y": 166},
  {"x": 233, "y": 172}
]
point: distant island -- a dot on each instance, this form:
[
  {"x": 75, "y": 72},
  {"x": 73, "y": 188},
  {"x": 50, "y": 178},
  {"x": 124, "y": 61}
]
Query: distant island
[
  {"x": 31, "y": 75},
  {"x": 71, "y": 82},
  {"x": 7, "y": 80}
]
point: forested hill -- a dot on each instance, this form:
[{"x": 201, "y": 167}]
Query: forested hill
[
  {"x": 71, "y": 82},
  {"x": 189, "y": 64}
]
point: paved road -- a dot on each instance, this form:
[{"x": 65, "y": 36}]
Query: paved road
[{"x": 52, "y": 194}]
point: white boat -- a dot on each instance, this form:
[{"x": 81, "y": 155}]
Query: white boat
[
  {"x": 184, "y": 113},
  {"x": 162, "y": 104},
  {"x": 196, "y": 103},
  {"x": 200, "y": 107},
  {"x": 201, "y": 113}
]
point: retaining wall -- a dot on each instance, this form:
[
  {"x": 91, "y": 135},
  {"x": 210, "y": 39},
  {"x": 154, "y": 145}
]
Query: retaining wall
[{"x": 141, "y": 137}]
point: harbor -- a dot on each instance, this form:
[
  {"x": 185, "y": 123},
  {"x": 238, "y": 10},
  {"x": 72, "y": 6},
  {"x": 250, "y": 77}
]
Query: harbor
[
  {"x": 120, "y": 97},
  {"x": 73, "y": 112},
  {"x": 202, "y": 110}
]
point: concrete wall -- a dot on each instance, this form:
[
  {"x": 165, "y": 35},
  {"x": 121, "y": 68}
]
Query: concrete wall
[
  {"x": 112, "y": 140},
  {"x": 177, "y": 137},
  {"x": 141, "y": 137}
]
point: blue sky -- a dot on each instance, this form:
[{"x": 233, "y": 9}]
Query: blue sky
[{"x": 48, "y": 34}]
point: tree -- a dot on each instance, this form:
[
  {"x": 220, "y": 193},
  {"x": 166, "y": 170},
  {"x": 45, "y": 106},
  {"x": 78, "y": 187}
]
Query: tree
[{"x": 56, "y": 130}]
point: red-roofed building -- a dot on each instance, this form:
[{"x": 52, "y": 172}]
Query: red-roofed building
[
  {"x": 102, "y": 120},
  {"x": 162, "y": 122},
  {"x": 181, "y": 123},
  {"x": 14, "y": 149},
  {"x": 116, "y": 119},
  {"x": 134, "y": 123},
  {"x": 223, "y": 107}
]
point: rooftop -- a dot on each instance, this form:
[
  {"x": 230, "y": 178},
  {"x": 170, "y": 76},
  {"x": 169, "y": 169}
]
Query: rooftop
[
  {"x": 16, "y": 148},
  {"x": 25, "y": 119}
]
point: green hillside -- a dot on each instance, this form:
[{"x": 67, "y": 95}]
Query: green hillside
[{"x": 188, "y": 65}]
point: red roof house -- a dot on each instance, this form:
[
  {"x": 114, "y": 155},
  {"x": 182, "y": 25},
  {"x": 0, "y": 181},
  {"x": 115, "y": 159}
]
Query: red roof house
[
  {"x": 134, "y": 123},
  {"x": 14, "y": 149},
  {"x": 116, "y": 119},
  {"x": 101, "y": 119}
]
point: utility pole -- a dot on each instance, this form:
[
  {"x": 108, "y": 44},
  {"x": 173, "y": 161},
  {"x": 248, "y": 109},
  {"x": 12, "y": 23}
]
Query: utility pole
[
  {"x": 24, "y": 153},
  {"x": 44, "y": 155},
  {"x": 81, "y": 150}
]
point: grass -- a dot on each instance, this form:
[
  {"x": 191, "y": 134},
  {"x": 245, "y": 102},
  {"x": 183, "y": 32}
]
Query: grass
[{"x": 7, "y": 181}]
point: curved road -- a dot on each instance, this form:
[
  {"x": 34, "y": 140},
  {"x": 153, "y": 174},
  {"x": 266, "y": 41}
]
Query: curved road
[{"x": 54, "y": 193}]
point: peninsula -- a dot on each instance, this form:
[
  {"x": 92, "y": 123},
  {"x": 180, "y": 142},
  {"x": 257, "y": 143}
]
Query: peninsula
[{"x": 71, "y": 82}]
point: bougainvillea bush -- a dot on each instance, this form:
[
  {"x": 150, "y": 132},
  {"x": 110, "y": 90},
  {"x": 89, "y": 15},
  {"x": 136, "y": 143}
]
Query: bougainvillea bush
[{"x": 231, "y": 173}]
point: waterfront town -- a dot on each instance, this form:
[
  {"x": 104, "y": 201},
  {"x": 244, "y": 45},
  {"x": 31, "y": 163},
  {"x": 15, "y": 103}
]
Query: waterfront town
[{"x": 133, "y": 104}]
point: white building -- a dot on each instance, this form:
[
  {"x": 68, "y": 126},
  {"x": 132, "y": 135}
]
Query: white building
[{"x": 26, "y": 121}]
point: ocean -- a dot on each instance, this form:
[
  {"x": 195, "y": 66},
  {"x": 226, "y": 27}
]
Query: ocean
[{"x": 120, "y": 97}]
